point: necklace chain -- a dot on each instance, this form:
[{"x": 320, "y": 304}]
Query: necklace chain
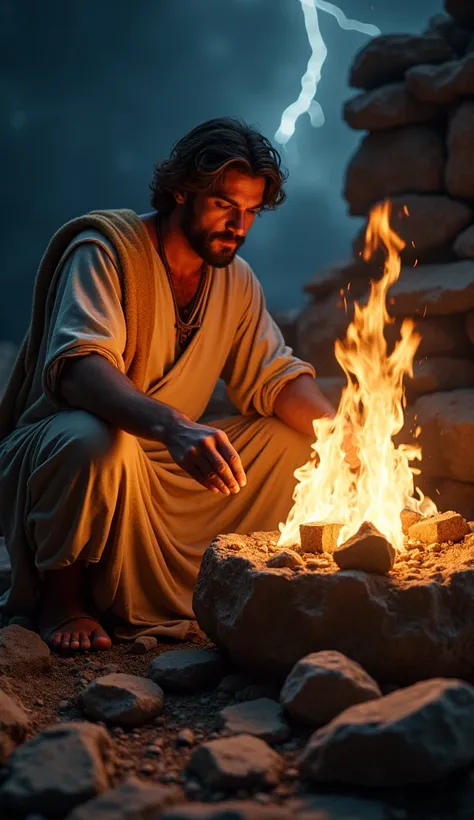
[{"x": 184, "y": 328}]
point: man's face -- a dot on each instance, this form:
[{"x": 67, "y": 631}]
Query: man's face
[{"x": 216, "y": 224}]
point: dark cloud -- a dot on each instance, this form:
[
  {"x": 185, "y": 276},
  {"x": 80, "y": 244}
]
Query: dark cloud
[{"x": 93, "y": 94}]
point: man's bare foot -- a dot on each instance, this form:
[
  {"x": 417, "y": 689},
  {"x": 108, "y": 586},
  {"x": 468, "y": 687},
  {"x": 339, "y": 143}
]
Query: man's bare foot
[
  {"x": 76, "y": 633},
  {"x": 64, "y": 620}
]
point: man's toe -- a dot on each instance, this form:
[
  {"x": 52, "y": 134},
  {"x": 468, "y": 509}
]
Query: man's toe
[
  {"x": 85, "y": 641},
  {"x": 100, "y": 641},
  {"x": 66, "y": 641}
]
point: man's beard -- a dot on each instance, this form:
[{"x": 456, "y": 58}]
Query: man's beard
[{"x": 200, "y": 240}]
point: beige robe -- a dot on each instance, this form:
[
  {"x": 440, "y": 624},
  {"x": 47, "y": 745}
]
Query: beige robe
[{"x": 72, "y": 487}]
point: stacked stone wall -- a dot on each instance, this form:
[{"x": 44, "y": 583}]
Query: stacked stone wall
[{"x": 415, "y": 105}]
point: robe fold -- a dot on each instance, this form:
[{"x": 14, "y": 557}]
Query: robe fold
[{"x": 72, "y": 487}]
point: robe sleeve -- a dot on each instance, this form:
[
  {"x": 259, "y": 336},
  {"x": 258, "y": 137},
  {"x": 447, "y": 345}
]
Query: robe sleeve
[
  {"x": 87, "y": 314},
  {"x": 259, "y": 363}
]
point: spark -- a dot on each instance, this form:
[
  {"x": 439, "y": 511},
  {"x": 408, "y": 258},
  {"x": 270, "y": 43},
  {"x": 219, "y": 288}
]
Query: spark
[{"x": 306, "y": 102}]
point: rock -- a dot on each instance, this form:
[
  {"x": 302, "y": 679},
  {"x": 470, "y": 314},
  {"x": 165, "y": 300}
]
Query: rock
[
  {"x": 319, "y": 325},
  {"x": 441, "y": 336},
  {"x": 144, "y": 644},
  {"x": 286, "y": 558},
  {"x": 321, "y": 685},
  {"x": 348, "y": 274},
  {"x": 22, "y": 652},
  {"x": 122, "y": 700},
  {"x": 185, "y": 670},
  {"x": 433, "y": 290},
  {"x": 444, "y": 26},
  {"x": 14, "y": 726},
  {"x": 267, "y": 621},
  {"x": 387, "y": 107},
  {"x": 409, "y": 517},
  {"x": 464, "y": 244},
  {"x": 414, "y": 735},
  {"x": 385, "y": 59},
  {"x": 447, "y": 434},
  {"x": 393, "y": 162},
  {"x": 460, "y": 165},
  {"x": 431, "y": 375},
  {"x": 185, "y": 738},
  {"x": 133, "y": 799},
  {"x": 261, "y": 718},
  {"x": 424, "y": 222},
  {"x": 367, "y": 550},
  {"x": 5, "y": 567},
  {"x": 239, "y": 762},
  {"x": 317, "y": 537},
  {"x": 431, "y": 84},
  {"x": 229, "y": 810},
  {"x": 470, "y": 325},
  {"x": 462, "y": 11},
  {"x": 59, "y": 769},
  {"x": 447, "y": 526}
]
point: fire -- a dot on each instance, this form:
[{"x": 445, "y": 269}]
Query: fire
[{"x": 372, "y": 404}]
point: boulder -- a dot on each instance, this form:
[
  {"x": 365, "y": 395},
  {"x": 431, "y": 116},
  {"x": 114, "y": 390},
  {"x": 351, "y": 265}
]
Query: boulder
[
  {"x": 268, "y": 619},
  {"x": 457, "y": 36},
  {"x": 233, "y": 763},
  {"x": 122, "y": 700},
  {"x": 319, "y": 325},
  {"x": 14, "y": 726},
  {"x": 262, "y": 718},
  {"x": 350, "y": 274},
  {"x": 385, "y": 59},
  {"x": 321, "y": 685},
  {"x": 433, "y": 290},
  {"x": 187, "y": 670},
  {"x": 387, "y": 163},
  {"x": 387, "y": 107},
  {"x": 460, "y": 165},
  {"x": 464, "y": 244},
  {"x": 438, "y": 374},
  {"x": 57, "y": 770},
  {"x": 462, "y": 11},
  {"x": 22, "y": 652},
  {"x": 415, "y": 735},
  {"x": 447, "y": 434},
  {"x": 441, "y": 336},
  {"x": 431, "y": 84},
  {"x": 133, "y": 799},
  {"x": 425, "y": 222}
]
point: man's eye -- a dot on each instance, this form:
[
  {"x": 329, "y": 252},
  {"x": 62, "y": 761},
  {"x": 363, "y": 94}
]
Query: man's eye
[{"x": 223, "y": 205}]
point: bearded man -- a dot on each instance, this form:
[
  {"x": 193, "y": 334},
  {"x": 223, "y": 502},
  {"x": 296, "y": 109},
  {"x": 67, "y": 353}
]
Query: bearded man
[{"x": 110, "y": 487}]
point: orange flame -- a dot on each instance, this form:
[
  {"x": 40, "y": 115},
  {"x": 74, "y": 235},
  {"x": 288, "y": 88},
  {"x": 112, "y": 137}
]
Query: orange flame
[{"x": 372, "y": 403}]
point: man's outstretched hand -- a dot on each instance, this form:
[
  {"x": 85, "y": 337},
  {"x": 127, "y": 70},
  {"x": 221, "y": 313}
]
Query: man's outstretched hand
[{"x": 207, "y": 455}]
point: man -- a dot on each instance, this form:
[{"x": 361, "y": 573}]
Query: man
[{"x": 110, "y": 488}]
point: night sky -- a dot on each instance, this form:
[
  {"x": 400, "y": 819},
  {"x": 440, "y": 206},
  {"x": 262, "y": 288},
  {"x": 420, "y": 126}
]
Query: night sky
[{"x": 94, "y": 93}]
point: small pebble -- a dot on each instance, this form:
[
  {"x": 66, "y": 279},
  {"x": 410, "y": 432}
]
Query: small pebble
[
  {"x": 192, "y": 788},
  {"x": 170, "y": 777},
  {"x": 38, "y": 702},
  {"x": 262, "y": 798},
  {"x": 159, "y": 721},
  {"x": 64, "y": 704},
  {"x": 185, "y": 738},
  {"x": 154, "y": 750},
  {"x": 147, "y": 768},
  {"x": 144, "y": 644}
]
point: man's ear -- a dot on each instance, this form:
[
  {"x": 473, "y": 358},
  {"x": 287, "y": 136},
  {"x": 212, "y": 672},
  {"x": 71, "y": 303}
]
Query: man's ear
[{"x": 180, "y": 197}]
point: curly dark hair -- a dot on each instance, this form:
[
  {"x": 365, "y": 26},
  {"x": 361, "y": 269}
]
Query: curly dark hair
[{"x": 198, "y": 161}]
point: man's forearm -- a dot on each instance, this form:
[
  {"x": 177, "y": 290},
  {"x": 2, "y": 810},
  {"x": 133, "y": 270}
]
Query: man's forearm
[
  {"x": 92, "y": 383},
  {"x": 300, "y": 401}
]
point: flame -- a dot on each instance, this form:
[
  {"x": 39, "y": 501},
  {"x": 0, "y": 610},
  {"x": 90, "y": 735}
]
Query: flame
[{"x": 372, "y": 403}]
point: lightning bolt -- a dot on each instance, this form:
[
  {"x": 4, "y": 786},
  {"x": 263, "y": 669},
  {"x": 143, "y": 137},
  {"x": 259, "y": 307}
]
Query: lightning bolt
[{"x": 310, "y": 80}]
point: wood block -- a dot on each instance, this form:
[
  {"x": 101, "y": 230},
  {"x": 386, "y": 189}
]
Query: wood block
[
  {"x": 319, "y": 537},
  {"x": 447, "y": 526},
  {"x": 409, "y": 517}
]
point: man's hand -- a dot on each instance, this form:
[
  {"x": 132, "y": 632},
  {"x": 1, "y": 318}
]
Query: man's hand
[{"x": 207, "y": 455}]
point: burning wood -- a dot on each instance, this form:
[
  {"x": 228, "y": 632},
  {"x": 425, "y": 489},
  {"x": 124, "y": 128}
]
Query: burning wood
[
  {"x": 372, "y": 403},
  {"x": 447, "y": 526},
  {"x": 319, "y": 537},
  {"x": 367, "y": 550}
]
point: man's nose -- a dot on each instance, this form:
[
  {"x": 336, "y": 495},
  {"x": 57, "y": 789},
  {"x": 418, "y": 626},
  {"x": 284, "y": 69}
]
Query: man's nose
[{"x": 237, "y": 222}]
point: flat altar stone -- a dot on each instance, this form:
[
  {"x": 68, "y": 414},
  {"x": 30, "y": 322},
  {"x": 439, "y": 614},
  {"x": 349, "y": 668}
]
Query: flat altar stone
[{"x": 400, "y": 628}]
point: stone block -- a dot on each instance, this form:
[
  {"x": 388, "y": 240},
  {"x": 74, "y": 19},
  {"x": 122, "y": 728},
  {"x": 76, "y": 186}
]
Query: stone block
[
  {"x": 447, "y": 434},
  {"x": 457, "y": 36},
  {"x": 447, "y": 526},
  {"x": 443, "y": 373},
  {"x": 438, "y": 84},
  {"x": 352, "y": 275},
  {"x": 390, "y": 106},
  {"x": 460, "y": 165},
  {"x": 319, "y": 325},
  {"x": 433, "y": 290},
  {"x": 409, "y": 517},
  {"x": 388, "y": 163},
  {"x": 385, "y": 59},
  {"x": 319, "y": 537}
]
